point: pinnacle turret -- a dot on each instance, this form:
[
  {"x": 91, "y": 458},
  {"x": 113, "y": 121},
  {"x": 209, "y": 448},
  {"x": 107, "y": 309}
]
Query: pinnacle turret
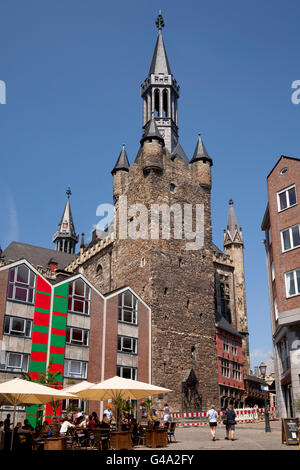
[
  {"x": 65, "y": 237},
  {"x": 200, "y": 152},
  {"x": 122, "y": 162},
  {"x": 232, "y": 233}
]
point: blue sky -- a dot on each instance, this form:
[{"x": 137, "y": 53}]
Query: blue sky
[{"x": 73, "y": 71}]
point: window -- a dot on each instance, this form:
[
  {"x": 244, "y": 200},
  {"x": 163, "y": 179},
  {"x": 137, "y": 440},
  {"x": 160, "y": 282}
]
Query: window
[
  {"x": 283, "y": 353},
  {"x": 225, "y": 301},
  {"x": 283, "y": 171},
  {"x": 17, "y": 326},
  {"x": 77, "y": 336},
  {"x": 236, "y": 371},
  {"x": 75, "y": 369},
  {"x": 172, "y": 188},
  {"x": 225, "y": 345},
  {"x": 290, "y": 238},
  {"x": 276, "y": 309},
  {"x": 292, "y": 283},
  {"x": 128, "y": 307},
  {"x": 234, "y": 348},
  {"x": 99, "y": 270},
  {"x": 21, "y": 283},
  {"x": 270, "y": 236},
  {"x": 127, "y": 345},
  {"x": 225, "y": 368},
  {"x": 286, "y": 198},
  {"x": 127, "y": 372},
  {"x": 15, "y": 362},
  {"x": 79, "y": 297}
]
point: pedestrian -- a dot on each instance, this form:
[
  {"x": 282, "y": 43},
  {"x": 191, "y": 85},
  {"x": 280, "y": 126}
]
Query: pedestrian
[
  {"x": 230, "y": 422},
  {"x": 212, "y": 417},
  {"x": 167, "y": 414}
]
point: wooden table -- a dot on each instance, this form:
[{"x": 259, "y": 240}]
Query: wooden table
[
  {"x": 55, "y": 443},
  {"x": 156, "y": 438},
  {"x": 120, "y": 440}
]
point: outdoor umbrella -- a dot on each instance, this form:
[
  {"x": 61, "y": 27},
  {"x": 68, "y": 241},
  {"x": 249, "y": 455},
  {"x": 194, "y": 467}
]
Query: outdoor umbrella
[
  {"x": 18, "y": 392},
  {"x": 117, "y": 387},
  {"x": 79, "y": 387}
]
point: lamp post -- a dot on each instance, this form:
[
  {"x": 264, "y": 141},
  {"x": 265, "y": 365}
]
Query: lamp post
[{"x": 263, "y": 369}]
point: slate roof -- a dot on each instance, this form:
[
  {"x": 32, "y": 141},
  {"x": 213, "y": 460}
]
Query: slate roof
[
  {"x": 200, "y": 152},
  {"x": 179, "y": 152},
  {"x": 160, "y": 63},
  {"x": 151, "y": 131},
  {"x": 223, "y": 324},
  {"x": 36, "y": 255},
  {"x": 122, "y": 162}
]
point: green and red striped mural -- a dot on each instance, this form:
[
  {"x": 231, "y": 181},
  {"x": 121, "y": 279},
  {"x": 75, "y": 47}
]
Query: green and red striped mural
[{"x": 40, "y": 338}]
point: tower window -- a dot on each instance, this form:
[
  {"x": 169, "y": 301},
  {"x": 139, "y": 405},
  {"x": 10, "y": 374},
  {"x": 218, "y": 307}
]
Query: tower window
[
  {"x": 165, "y": 291},
  {"x": 99, "y": 270},
  {"x": 165, "y": 103},
  {"x": 180, "y": 262},
  {"x": 193, "y": 352},
  {"x": 156, "y": 102},
  {"x": 187, "y": 303},
  {"x": 172, "y": 187},
  {"x": 143, "y": 262}
]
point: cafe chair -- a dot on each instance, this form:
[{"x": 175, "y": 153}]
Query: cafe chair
[
  {"x": 171, "y": 432},
  {"x": 142, "y": 436},
  {"x": 101, "y": 439}
]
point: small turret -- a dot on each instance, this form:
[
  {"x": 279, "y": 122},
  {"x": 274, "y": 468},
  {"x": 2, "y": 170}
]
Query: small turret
[
  {"x": 201, "y": 164},
  {"x": 152, "y": 144},
  {"x": 120, "y": 174},
  {"x": 65, "y": 237}
]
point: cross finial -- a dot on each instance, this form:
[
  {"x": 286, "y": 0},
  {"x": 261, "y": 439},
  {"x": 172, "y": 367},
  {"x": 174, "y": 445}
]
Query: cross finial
[
  {"x": 68, "y": 192},
  {"x": 230, "y": 202},
  {"x": 159, "y": 21}
]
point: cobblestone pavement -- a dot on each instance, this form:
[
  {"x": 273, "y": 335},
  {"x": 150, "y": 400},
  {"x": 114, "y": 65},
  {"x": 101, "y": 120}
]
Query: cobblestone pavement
[{"x": 250, "y": 436}]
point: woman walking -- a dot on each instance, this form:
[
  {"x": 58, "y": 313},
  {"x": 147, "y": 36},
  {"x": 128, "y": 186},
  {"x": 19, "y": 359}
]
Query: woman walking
[
  {"x": 230, "y": 422},
  {"x": 212, "y": 417}
]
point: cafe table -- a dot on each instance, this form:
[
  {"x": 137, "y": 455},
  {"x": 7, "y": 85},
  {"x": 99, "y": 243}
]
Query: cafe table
[
  {"x": 120, "y": 440},
  {"x": 156, "y": 437},
  {"x": 55, "y": 443}
]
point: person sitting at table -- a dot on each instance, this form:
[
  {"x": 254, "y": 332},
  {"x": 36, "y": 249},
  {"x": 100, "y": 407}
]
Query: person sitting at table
[
  {"x": 96, "y": 419},
  {"x": 105, "y": 422},
  {"x": 124, "y": 423},
  {"x": 27, "y": 426},
  {"x": 91, "y": 422},
  {"x": 66, "y": 425},
  {"x": 84, "y": 423},
  {"x": 45, "y": 429}
]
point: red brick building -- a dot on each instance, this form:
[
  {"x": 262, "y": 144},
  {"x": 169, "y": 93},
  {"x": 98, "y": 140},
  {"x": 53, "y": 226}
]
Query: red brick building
[
  {"x": 230, "y": 363},
  {"x": 281, "y": 224}
]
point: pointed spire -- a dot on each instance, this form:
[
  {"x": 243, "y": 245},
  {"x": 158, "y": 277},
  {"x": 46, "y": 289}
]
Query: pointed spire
[
  {"x": 232, "y": 226},
  {"x": 160, "y": 63},
  {"x": 151, "y": 132},
  {"x": 200, "y": 152},
  {"x": 122, "y": 162},
  {"x": 65, "y": 237}
]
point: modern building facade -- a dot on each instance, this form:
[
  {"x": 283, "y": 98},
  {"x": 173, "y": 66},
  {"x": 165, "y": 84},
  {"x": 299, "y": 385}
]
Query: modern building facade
[
  {"x": 281, "y": 224},
  {"x": 69, "y": 327}
]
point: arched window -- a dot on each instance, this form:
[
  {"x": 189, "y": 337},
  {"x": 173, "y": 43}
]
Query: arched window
[
  {"x": 99, "y": 270},
  {"x": 156, "y": 102},
  {"x": 165, "y": 104},
  {"x": 21, "y": 284}
]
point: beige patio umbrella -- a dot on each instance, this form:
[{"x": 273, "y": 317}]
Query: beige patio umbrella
[
  {"x": 118, "y": 387},
  {"x": 18, "y": 392},
  {"x": 79, "y": 387}
]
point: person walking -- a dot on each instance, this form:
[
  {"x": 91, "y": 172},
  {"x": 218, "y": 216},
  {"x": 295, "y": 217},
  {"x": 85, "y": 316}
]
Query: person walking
[
  {"x": 230, "y": 422},
  {"x": 213, "y": 421},
  {"x": 167, "y": 414}
]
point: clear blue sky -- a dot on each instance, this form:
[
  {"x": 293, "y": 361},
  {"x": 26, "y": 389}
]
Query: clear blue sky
[{"x": 73, "y": 71}]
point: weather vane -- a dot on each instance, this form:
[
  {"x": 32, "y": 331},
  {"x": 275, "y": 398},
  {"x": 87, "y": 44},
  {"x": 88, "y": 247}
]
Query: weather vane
[
  {"x": 159, "y": 21},
  {"x": 68, "y": 192}
]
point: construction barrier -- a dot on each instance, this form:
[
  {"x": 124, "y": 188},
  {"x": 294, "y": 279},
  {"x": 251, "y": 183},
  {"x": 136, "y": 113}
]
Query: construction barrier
[{"x": 243, "y": 415}]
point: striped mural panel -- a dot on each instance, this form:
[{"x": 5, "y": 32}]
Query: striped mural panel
[{"x": 40, "y": 332}]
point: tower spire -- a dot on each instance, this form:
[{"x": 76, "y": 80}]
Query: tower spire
[
  {"x": 160, "y": 93},
  {"x": 233, "y": 234},
  {"x": 65, "y": 237}
]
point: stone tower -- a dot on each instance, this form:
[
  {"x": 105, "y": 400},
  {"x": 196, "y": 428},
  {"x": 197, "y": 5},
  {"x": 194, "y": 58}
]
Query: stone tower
[
  {"x": 234, "y": 247},
  {"x": 65, "y": 238},
  {"x": 175, "y": 280}
]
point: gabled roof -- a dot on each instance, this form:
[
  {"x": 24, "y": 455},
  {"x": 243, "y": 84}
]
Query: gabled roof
[
  {"x": 160, "y": 63},
  {"x": 223, "y": 324},
  {"x": 282, "y": 156},
  {"x": 36, "y": 255},
  {"x": 122, "y": 162}
]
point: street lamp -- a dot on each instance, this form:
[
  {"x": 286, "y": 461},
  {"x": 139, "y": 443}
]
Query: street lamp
[{"x": 263, "y": 370}]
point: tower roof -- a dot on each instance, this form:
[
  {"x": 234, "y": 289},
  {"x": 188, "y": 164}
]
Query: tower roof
[
  {"x": 200, "y": 152},
  {"x": 151, "y": 132},
  {"x": 122, "y": 162},
  {"x": 179, "y": 152},
  {"x": 66, "y": 229},
  {"x": 160, "y": 63},
  {"x": 233, "y": 231}
]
